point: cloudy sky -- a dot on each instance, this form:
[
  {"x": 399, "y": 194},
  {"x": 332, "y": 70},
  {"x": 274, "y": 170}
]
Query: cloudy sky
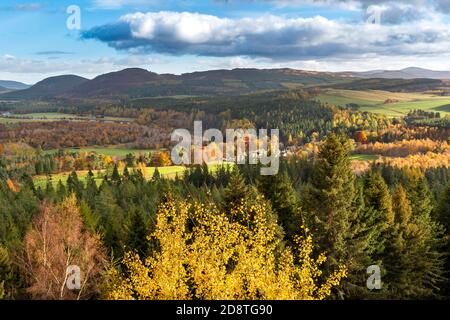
[{"x": 177, "y": 36}]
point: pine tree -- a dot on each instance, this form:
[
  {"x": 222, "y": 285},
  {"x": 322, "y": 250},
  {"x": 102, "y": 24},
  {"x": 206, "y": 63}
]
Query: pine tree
[
  {"x": 413, "y": 262},
  {"x": 137, "y": 232},
  {"x": 335, "y": 213},
  {"x": 236, "y": 190},
  {"x": 377, "y": 199},
  {"x": 61, "y": 191},
  {"x": 156, "y": 175},
  {"x": 278, "y": 189},
  {"x": 115, "y": 177},
  {"x": 443, "y": 210}
]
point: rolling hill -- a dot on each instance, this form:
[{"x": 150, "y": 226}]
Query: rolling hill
[
  {"x": 394, "y": 85},
  {"x": 3, "y": 89},
  {"x": 140, "y": 83},
  {"x": 47, "y": 88},
  {"x": 136, "y": 83},
  {"x": 407, "y": 73},
  {"x": 14, "y": 85}
]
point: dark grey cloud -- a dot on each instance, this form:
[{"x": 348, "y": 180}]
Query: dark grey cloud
[{"x": 276, "y": 38}]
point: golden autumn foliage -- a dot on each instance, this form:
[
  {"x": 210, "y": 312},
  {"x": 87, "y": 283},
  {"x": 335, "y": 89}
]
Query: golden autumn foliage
[
  {"x": 161, "y": 159},
  {"x": 13, "y": 186},
  {"x": 204, "y": 253},
  {"x": 404, "y": 147}
]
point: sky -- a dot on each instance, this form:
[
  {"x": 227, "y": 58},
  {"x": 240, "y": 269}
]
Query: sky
[{"x": 39, "y": 39}]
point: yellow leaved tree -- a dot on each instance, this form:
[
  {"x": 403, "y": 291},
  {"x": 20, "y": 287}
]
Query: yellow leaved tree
[{"x": 206, "y": 254}]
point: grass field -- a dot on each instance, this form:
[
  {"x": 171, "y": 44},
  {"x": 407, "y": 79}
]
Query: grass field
[
  {"x": 374, "y": 101},
  {"x": 364, "y": 157},
  {"x": 166, "y": 172}
]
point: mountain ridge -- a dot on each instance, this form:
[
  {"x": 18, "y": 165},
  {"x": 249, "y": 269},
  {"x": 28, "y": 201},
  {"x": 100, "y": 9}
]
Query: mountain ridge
[{"x": 136, "y": 83}]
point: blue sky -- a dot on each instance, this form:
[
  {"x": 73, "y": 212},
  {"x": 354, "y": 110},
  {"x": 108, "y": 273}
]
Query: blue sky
[{"x": 186, "y": 35}]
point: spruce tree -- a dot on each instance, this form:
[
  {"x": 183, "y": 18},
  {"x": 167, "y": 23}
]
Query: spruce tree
[
  {"x": 278, "y": 189},
  {"x": 335, "y": 213},
  {"x": 413, "y": 261}
]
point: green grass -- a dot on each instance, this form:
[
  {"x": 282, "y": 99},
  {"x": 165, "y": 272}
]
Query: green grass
[
  {"x": 374, "y": 101},
  {"x": 166, "y": 172},
  {"x": 363, "y": 157}
]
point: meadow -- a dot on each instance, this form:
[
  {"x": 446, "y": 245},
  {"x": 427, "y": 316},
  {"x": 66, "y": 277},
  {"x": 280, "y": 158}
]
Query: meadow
[
  {"x": 166, "y": 172},
  {"x": 377, "y": 101}
]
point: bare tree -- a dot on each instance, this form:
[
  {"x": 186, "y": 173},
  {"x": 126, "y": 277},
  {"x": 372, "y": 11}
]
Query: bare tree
[{"x": 57, "y": 244}]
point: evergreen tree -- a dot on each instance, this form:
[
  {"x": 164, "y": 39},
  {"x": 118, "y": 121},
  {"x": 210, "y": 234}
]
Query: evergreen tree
[
  {"x": 413, "y": 262},
  {"x": 278, "y": 189},
  {"x": 236, "y": 190},
  {"x": 156, "y": 175},
  {"x": 377, "y": 199},
  {"x": 115, "y": 176},
  {"x": 334, "y": 209},
  {"x": 137, "y": 232}
]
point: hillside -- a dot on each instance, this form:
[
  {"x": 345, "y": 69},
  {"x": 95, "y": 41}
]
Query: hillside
[
  {"x": 140, "y": 83},
  {"x": 3, "y": 89},
  {"x": 407, "y": 73},
  {"x": 136, "y": 83},
  {"x": 47, "y": 88},
  {"x": 14, "y": 85},
  {"x": 393, "y": 85}
]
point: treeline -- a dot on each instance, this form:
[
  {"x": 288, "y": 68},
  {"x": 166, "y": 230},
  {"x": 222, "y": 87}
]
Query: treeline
[
  {"x": 173, "y": 231},
  {"x": 71, "y": 134}
]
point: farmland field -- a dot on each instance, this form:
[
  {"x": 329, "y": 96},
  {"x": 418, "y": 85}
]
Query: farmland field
[
  {"x": 364, "y": 157},
  {"x": 166, "y": 172},
  {"x": 374, "y": 101}
]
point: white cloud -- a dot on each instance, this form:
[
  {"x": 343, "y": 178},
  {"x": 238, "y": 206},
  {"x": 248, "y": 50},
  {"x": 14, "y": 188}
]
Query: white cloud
[{"x": 274, "y": 37}]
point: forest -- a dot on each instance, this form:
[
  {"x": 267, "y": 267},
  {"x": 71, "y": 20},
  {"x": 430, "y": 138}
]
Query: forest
[{"x": 94, "y": 187}]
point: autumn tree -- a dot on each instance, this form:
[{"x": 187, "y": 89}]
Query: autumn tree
[
  {"x": 203, "y": 254},
  {"x": 56, "y": 241}
]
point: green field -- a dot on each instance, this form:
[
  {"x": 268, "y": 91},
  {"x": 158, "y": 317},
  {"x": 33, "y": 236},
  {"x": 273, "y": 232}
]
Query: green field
[
  {"x": 374, "y": 101},
  {"x": 364, "y": 157},
  {"x": 166, "y": 172}
]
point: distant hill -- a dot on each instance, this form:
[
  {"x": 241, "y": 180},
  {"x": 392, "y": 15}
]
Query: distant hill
[
  {"x": 14, "y": 85},
  {"x": 47, "y": 88},
  {"x": 138, "y": 84},
  {"x": 3, "y": 89},
  {"x": 394, "y": 85},
  {"x": 407, "y": 73},
  {"x": 113, "y": 84}
]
